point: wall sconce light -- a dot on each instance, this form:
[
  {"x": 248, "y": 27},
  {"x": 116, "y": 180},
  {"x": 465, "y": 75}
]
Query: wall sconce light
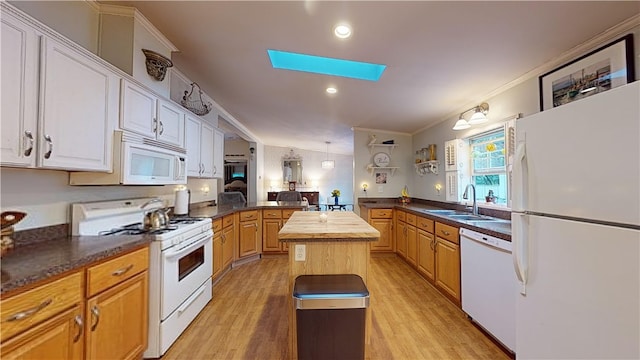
[
  {"x": 364, "y": 187},
  {"x": 479, "y": 116},
  {"x": 438, "y": 188},
  {"x": 328, "y": 164}
]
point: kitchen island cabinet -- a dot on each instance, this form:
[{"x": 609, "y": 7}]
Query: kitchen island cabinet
[{"x": 341, "y": 245}]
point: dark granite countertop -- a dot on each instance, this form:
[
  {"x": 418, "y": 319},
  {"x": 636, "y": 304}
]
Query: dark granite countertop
[
  {"x": 500, "y": 229},
  {"x": 222, "y": 210},
  {"x": 30, "y": 264}
]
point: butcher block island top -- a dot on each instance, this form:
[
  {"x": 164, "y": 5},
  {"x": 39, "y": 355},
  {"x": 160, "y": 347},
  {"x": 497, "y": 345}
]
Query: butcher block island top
[
  {"x": 340, "y": 226},
  {"x": 341, "y": 245}
]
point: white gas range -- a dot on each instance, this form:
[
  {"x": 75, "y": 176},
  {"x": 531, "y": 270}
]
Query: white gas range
[{"x": 181, "y": 262}]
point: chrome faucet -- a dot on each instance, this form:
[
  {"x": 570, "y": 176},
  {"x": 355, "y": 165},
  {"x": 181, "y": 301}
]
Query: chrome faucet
[{"x": 466, "y": 196}]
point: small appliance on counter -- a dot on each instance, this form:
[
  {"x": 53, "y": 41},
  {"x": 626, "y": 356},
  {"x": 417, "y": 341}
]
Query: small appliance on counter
[{"x": 181, "y": 203}]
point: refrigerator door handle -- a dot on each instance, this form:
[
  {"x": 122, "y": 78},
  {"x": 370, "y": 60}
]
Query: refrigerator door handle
[
  {"x": 520, "y": 174},
  {"x": 519, "y": 250}
]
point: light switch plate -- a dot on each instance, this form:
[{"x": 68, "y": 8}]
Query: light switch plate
[
  {"x": 301, "y": 252},
  {"x": 380, "y": 188}
]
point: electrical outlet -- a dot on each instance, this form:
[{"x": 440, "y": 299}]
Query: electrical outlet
[{"x": 301, "y": 252}]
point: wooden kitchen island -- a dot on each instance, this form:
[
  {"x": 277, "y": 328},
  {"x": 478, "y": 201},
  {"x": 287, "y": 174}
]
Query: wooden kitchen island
[{"x": 341, "y": 245}]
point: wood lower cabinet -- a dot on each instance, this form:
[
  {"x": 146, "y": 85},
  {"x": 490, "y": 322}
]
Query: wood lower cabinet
[
  {"x": 272, "y": 221},
  {"x": 426, "y": 248},
  {"x": 117, "y": 321},
  {"x": 116, "y": 316},
  {"x": 56, "y": 311},
  {"x": 217, "y": 247},
  {"x": 401, "y": 239},
  {"x": 448, "y": 261},
  {"x": 228, "y": 238},
  {"x": 60, "y": 337},
  {"x": 99, "y": 312},
  {"x": 382, "y": 220},
  {"x": 248, "y": 237}
]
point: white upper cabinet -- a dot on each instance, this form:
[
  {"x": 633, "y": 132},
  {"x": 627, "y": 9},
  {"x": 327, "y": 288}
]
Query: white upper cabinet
[
  {"x": 138, "y": 108},
  {"x": 218, "y": 153},
  {"x": 146, "y": 114},
  {"x": 63, "y": 119},
  {"x": 19, "y": 63},
  {"x": 170, "y": 127},
  {"x": 199, "y": 144},
  {"x": 79, "y": 109}
]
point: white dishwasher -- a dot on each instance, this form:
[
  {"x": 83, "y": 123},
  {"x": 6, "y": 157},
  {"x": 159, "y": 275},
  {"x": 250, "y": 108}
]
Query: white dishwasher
[{"x": 489, "y": 284}]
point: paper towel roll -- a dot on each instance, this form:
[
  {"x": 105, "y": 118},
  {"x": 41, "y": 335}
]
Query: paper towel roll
[{"x": 181, "y": 205}]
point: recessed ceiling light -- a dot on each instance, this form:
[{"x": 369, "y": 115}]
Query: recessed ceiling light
[
  {"x": 332, "y": 90},
  {"x": 326, "y": 66},
  {"x": 342, "y": 31}
]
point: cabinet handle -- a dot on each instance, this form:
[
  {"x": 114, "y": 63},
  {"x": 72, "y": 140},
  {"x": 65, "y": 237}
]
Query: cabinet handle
[
  {"x": 28, "y": 138},
  {"x": 215, "y": 170},
  {"x": 155, "y": 125},
  {"x": 161, "y": 128},
  {"x": 224, "y": 238},
  {"x": 47, "y": 138},
  {"x": 25, "y": 314},
  {"x": 96, "y": 314},
  {"x": 78, "y": 320},
  {"x": 445, "y": 232},
  {"x": 122, "y": 271},
  {"x": 201, "y": 166}
]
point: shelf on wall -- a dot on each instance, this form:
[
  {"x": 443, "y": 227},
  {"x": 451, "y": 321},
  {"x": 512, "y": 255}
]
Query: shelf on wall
[
  {"x": 388, "y": 146},
  {"x": 392, "y": 169},
  {"x": 425, "y": 167}
]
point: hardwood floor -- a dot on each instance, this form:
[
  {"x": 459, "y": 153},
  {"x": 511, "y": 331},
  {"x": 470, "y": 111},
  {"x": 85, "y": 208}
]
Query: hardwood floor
[{"x": 247, "y": 318}]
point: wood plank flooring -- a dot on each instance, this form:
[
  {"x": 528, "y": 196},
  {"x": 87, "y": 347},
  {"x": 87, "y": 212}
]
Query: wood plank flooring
[{"x": 247, "y": 317}]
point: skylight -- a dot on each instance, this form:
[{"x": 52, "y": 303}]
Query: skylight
[{"x": 326, "y": 66}]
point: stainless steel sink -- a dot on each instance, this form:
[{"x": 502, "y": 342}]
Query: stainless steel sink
[
  {"x": 469, "y": 217},
  {"x": 442, "y": 211}
]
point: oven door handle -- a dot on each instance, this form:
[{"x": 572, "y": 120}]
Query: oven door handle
[{"x": 198, "y": 243}]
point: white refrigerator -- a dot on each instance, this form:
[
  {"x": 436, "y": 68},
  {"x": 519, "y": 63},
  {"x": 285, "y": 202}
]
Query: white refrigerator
[{"x": 576, "y": 229}]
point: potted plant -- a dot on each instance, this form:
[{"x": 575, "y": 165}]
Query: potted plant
[{"x": 335, "y": 194}]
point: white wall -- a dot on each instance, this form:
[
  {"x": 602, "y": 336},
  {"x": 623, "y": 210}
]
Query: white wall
[
  {"x": 401, "y": 157},
  {"x": 77, "y": 20},
  {"x": 46, "y": 196},
  {"x": 314, "y": 177}
]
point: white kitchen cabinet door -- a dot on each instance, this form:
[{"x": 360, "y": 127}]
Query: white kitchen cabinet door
[
  {"x": 192, "y": 145},
  {"x": 79, "y": 110},
  {"x": 170, "y": 127},
  {"x": 218, "y": 153},
  {"x": 207, "y": 134},
  {"x": 138, "y": 110},
  {"x": 19, "y": 100}
]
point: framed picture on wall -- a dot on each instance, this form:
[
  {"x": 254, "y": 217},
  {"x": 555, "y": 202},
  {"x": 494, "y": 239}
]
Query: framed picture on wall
[
  {"x": 381, "y": 178},
  {"x": 292, "y": 186},
  {"x": 600, "y": 70}
]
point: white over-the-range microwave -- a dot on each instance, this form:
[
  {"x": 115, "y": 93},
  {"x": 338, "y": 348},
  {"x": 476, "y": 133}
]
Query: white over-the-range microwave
[{"x": 139, "y": 161}]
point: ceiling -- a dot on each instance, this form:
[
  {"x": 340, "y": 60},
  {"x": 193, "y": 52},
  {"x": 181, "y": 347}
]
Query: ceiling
[{"x": 440, "y": 56}]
